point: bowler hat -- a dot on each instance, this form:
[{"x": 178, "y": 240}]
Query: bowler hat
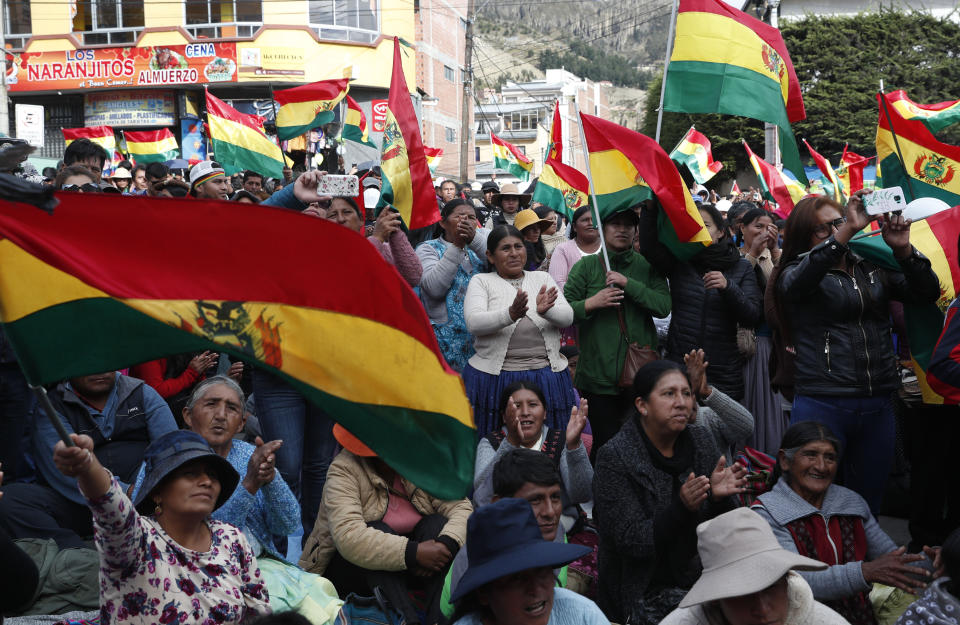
[
  {"x": 171, "y": 451},
  {"x": 510, "y": 190},
  {"x": 503, "y": 538}
]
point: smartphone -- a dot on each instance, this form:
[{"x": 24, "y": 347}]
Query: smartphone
[
  {"x": 887, "y": 200},
  {"x": 339, "y": 186}
]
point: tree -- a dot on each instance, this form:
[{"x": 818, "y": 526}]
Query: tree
[{"x": 839, "y": 61}]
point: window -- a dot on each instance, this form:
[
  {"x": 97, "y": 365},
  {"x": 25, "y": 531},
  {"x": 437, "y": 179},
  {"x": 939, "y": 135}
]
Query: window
[
  {"x": 450, "y": 134},
  {"x": 476, "y": 154},
  {"x": 16, "y": 23},
  {"x": 523, "y": 120},
  {"x": 346, "y": 20},
  {"x": 212, "y": 19},
  {"x": 484, "y": 125},
  {"x": 449, "y": 73},
  {"x": 108, "y": 21}
]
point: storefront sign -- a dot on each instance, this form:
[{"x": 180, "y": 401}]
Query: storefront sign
[
  {"x": 30, "y": 124},
  {"x": 129, "y": 109},
  {"x": 109, "y": 68},
  {"x": 191, "y": 138},
  {"x": 271, "y": 63},
  {"x": 379, "y": 108}
]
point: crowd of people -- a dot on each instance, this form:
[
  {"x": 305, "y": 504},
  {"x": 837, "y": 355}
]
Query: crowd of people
[{"x": 705, "y": 440}]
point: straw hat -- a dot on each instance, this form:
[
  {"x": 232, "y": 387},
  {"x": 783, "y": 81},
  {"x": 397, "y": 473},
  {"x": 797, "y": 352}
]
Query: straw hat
[
  {"x": 741, "y": 556},
  {"x": 511, "y": 190},
  {"x": 121, "y": 172},
  {"x": 528, "y": 217}
]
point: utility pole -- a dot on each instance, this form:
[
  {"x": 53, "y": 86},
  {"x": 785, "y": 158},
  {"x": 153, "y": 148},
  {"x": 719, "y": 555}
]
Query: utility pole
[
  {"x": 771, "y": 138},
  {"x": 4, "y": 106},
  {"x": 466, "y": 107}
]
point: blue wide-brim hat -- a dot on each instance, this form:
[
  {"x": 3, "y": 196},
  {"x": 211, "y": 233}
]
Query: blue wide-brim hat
[
  {"x": 173, "y": 450},
  {"x": 503, "y": 538}
]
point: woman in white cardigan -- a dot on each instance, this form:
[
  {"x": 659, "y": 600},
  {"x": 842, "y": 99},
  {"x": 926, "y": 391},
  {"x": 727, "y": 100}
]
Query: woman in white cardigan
[{"x": 515, "y": 318}]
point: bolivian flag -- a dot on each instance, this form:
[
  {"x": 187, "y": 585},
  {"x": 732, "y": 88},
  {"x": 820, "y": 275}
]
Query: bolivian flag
[
  {"x": 361, "y": 347},
  {"x": 827, "y": 170},
  {"x": 240, "y": 143},
  {"x": 407, "y": 185},
  {"x": 627, "y": 168},
  {"x": 562, "y": 188},
  {"x": 102, "y": 136},
  {"x": 776, "y": 185},
  {"x": 851, "y": 170},
  {"x": 152, "y": 146},
  {"x": 725, "y": 61},
  {"x": 300, "y": 109},
  {"x": 355, "y": 124},
  {"x": 434, "y": 156},
  {"x": 936, "y": 238},
  {"x": 935, "y": 117},
  {"x": 508, "y": 157},
  {"x": 929, "y": 168},
  {"x": 694, "y": 152}
]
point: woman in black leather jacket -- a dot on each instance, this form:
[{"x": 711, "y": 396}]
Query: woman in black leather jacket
[
  {"x": 712, "y": 293},
  {"x": 832, "y": 308}
]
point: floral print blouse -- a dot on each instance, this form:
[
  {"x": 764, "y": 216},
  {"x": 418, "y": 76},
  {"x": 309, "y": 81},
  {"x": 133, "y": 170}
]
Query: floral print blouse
[{"x": 146, "y": 577}]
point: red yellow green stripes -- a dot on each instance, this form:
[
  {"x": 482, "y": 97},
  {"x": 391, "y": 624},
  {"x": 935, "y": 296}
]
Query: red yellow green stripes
[
  {"x": 434, "y": 156},
  {"x": 851, "y": 170},
  {"x": 102, "y": 136},
  {"x": 626, "y": 167},
  {"x": 827, "y": 170},
  {"x": 363, "y": 350},
  {"x": 239, "y": 141},
  {"x": 562, "y": 188},
  {"x": 928, "y": 168},
  {"x": 151, "y": 146},
  {"x": 355, "y": 124},
  {"x": 508, "y": 157},
  {"x": 777, "y": 186},
  {"x": 694, "y": 152},
  {"x": 406, "y": 182},
  {"x": 303, "y": 108},
  {"x": 935, "y": 117}
]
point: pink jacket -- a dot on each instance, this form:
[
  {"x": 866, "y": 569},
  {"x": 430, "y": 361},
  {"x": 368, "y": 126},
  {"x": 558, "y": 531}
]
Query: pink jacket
[
  {"x": 400, "y": 254},
  {"x": 565, "y": 256}
]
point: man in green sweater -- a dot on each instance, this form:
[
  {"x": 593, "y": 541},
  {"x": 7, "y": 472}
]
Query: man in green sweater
[{"x": 632, "y": 286}]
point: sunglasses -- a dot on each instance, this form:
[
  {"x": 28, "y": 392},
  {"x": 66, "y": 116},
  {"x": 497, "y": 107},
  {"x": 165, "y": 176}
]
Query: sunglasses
[
  {"x": 825, "y": 229},
  {"x": 88, "y": 187}
]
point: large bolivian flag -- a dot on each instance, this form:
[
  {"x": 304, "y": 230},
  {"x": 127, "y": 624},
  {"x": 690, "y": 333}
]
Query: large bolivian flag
[
  {"x": 303, "y": 108},
  {"x": 725, "y": 61},
  {"x": 151, "y": 146},
  {"x": 406, "y": 182},
  {"x": 322, "y": 310},
  {"x": 629, "y": 167},
  {"x": 935, "y": 117},
  {"x": 929, "y": 168},
  {"x": 240, "y": 143},
  {"x": 936, "y": 238}
]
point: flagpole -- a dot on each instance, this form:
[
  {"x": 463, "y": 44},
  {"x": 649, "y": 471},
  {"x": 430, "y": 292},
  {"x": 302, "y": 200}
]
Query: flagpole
[
  {"x": 593, "y": 192},
  {"x": 666, "y": 64},
  {"x": 896, "y": 143}
]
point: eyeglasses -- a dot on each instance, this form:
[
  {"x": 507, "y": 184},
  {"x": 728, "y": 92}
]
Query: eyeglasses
[
  {"x": 826, "y": 229},
  {"x": 88, "y": 187}
]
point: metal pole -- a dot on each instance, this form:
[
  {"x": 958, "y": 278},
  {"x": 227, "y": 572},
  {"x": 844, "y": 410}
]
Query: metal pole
[
  {"x": 44, "y": 400},
  {"x": 465, "y": 129},
  {"x": 666, "y": 64},
  {"x": 896, "y": 144},
  {"x": 593, "y": 192},
  {"x": 4, "y": 107},
  {"x": 771, "y": 134}
]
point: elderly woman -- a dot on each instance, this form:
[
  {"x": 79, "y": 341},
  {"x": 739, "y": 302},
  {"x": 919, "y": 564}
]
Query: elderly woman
[
  {"x": 376, "y": 529},
  {"x": 449, "y": 261},
  {"x": 515, "y": 318},
  {"x": 654, "y": 482},
  {"x": 523, "y": 408},
  {"x": 162, "y": 558},
  {"x": 814, "y": 517},
  {"x": 262, "y": 505},
  {"x": 510, "y": 575},
  {"x": 748, "y": 578},
  {"x": 832, "y": 307}
]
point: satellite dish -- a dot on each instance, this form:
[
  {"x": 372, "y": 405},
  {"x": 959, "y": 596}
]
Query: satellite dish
[{"x": 923, "y": 207}]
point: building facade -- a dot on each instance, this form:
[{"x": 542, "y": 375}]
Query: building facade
[
  {"x": 144, "y": 64},
  {"x": 441, "y": 71},
  {"x": 522, "y": 114}
]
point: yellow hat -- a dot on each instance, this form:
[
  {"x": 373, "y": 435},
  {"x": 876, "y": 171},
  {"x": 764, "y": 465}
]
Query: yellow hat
[{"x": 528, "y": 217}]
